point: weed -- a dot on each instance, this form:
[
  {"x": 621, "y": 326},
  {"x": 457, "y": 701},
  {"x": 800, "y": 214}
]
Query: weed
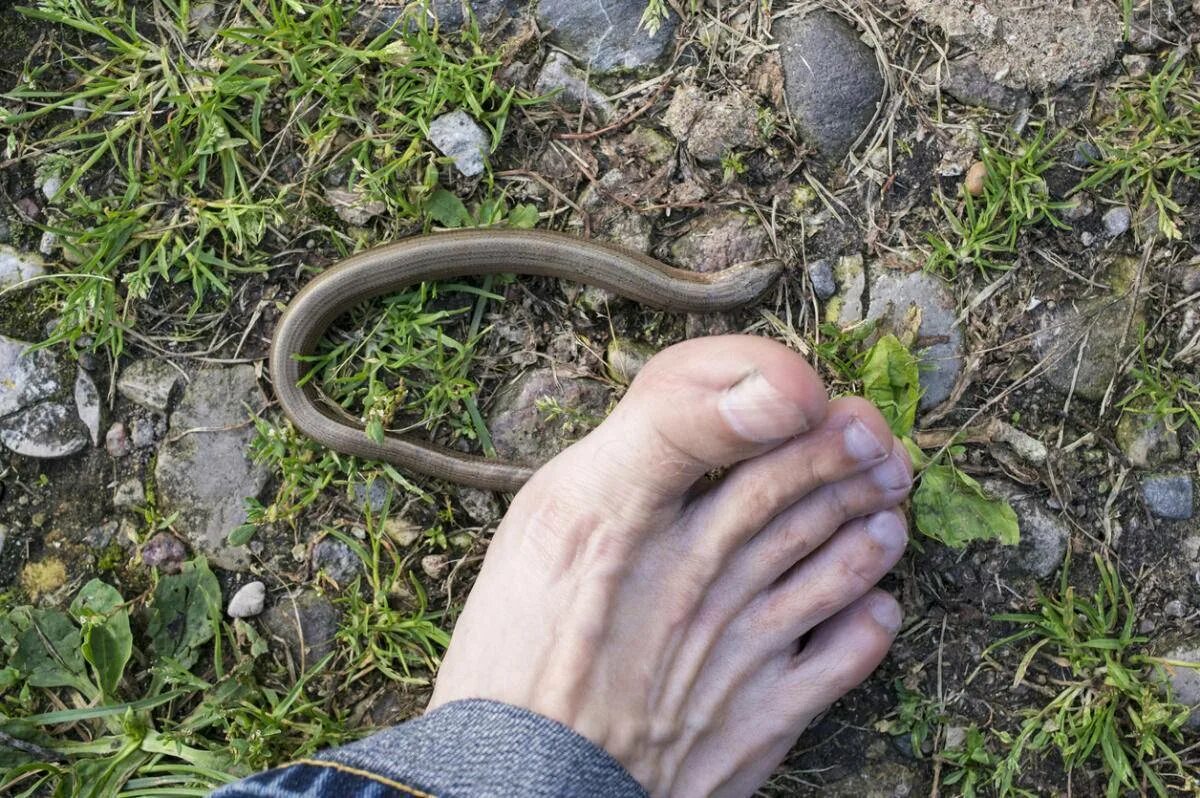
[
  {"x": 1014, "y": 197},
  {"x": 1105, "y": 706},
  {"x": 969, "y": 767},
  {"x": 1150, "y": 143},
  {"x": 1160, "y": 391},
  {"x": 916, "y": 716}
]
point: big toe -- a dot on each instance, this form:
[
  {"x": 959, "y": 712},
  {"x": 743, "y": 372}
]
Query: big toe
[{"x": 697, "y": 406}]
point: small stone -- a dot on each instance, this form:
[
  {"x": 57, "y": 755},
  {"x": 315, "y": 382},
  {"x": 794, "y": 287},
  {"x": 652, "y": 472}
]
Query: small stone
[
  {"x": 1028, "y": 448},
  {"x": 354, "y": 207},
  {"x": 570, "y": 86},
  {"x": 1044, "y": 539},
  {"x": 1174, "y": 609},
  {"x": 48, "y": 243},
  {"x": 965, "y": 81},
  {"x": 17, "y": 267},
  {"x": 611, "y": 221},
  {"x": 1168, "y": 496},
  {"x": 87, "y": 404},
  {"x": 711, "y": 128},
  {"x": 149, "y": 383},
  {"x": 1116, "y": 221},
  {"x": 26, "y": 376},
  {"x": 820, "y": 276},
  {"x": 336, "y": 560},
  {"x": 1086, "y": 154},
  {"x": 129, "y": 495},
  {"x": 404, "y": 532},
  {"x": 248, "y": 601},
  {"x": 435, "y": 566},
  {"x": 1184, "y": 681},
  {"x": 165, "y": 552},
  {"x": 976, "y": 178},
  {"x": 1147, "y": 441},
  {"x": 116, "y": 441},
  {"x": 480, "y": 505},
  {"x": 624, "y": 358},
  {"x": 1078, "y": 207},
  {"x": 458, "y": 136},
  {"x": 307, "y": 624},
  {"x": 721, "y": 240},
  {"x": 46, "y": 431},
  {"x": 851, "y": 278},
  {"x": 544, "y": 410},
  {"x": 606, "y": 36},
  {"x": 1136, "y": 66},
  {"x": 144, "y": 433},
  {"x": 831, "y": 79},
  {"x": 372, "y": 496},
  {"x": 3, "y": 536}
]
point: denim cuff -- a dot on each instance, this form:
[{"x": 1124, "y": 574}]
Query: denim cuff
[{"x": 465, "y": 749}]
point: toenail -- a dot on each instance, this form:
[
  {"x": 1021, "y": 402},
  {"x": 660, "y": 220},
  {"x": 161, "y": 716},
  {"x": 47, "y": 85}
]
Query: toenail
[
  {"x": 892, "y": 474},
  {"x": 886, "y": 612},
  {"x": 861, "y": 443},
  {"x": 758, "y": 412},
  {"x": 887, "y": 530}
]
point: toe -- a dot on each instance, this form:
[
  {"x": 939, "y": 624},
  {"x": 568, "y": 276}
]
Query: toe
[{"x": 700, "y": 405}]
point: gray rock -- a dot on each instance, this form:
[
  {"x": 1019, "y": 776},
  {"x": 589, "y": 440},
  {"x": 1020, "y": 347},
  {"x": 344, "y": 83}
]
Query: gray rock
[
  {"x": 831, "y": 79},
  {"x": 306, "y": 623},
  {"x": 1184, "y": 682},
  {"x": 1168, "y": 496},
  {"x": 372, "y": 496},
  {"x": 3, "y": 536},
  {"x": 481, "y": 505},
  {"x": 17, "y": 267},
  {"x": 87, "y": 404},
  {"x": 893, "y": 295},
  {"x": 820, "y": 275},
  {"x": 129, "y": 495},
  {"x": 1086, "y": 153},
  {"x": 145, "y": 432},
  {"x": 25, "y": 377},
  {"x": 459, "y": 137},
  {"x": 248, "y": 601},
  {"x": 164, "y": 551},
  {"x": 203, "y": 471},
  {"x": 712, "y": 127},
  {"x": 1175, "y": 609},
  {"x": 1044, "y": 538},
  {"x": 846, "y": 306},
  {"x": 116, "y": 441},
  {"x": 612, "y": 221},
  {"x": 1095, "y": 326},
  {"x": 1116, "y": 221},
  {"x": 46, "y": 431},
  {"x": 720, "y": 240},
  {"x": 354, "y": 208},
  {"x": 336, "y": 560},
  {"x": 435, "y": 566},
  {"x": 526, "y": 433},
  {"x": 966, "y": 82},
  {"x": 1147, "y": 441},
  {"x": 570, "y": 86},
  {"x": 606, "y": 35},
  {"x": 149, "y": 383}
]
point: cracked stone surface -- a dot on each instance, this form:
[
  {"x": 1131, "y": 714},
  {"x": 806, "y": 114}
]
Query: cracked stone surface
[
  {"x": 460, "y": 138},
  {"x": 204, "y": 471},
  {"x": 25, "y": 377},
  {"x": 149, "y": 383},
  {"x": 605, "y": 35},
  {"x": 46, "y": 430}
]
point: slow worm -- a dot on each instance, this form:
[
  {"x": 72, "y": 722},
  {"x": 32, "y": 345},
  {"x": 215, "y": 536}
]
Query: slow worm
[{"x": 445, "y": 256}]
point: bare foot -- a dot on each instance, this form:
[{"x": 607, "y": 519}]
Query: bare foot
[{"x": 693, "y": 630}]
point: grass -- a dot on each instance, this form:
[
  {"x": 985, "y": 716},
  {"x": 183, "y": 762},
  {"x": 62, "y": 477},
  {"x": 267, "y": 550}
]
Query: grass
[
  {"x": 985, "y": 230},
  {"x": 1160, "y": 391},
  {"x": 1149, "y": 144}
]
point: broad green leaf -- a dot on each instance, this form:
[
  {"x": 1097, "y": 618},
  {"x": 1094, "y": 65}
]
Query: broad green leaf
[
  {"x": 242, "y": 535},
  {"x": 523, "y": 216},
  {"x": 49, "y": 655},
  {"x": 107, "y": 642},
  {"x": 891, "y": 380},
  {"x": 951, "y": 507},
  {"x": 447, "y": 210},
  {"x": 185, "y": 612}
]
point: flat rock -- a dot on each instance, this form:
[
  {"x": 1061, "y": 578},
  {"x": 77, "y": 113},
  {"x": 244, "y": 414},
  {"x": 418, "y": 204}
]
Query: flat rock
[
  {"x": 610, "y": 220},
  {"x": 354, "y": 207},
  {"x": 1147, "y": 441},
  {"x": 1169, "y": 496},
  {"x": 526, "y": 433},
  {"x": 831, "y": 79},
  {"x": 87, "y": 404},
  {"x": 25, "y": 377},
  {"x": 1184, "y": 682},
  {"x": 965, "y": 81},
  {"x": 712, "y": 127},
  {"x": 720, "y": 240},
  {"x": 306, "y": 623},
  {"x": 460, "y": 138},
  {"x": 893, "y": 295},
  {"x": 606, "y": 35},
  {"x": 1034, "y": 45},
  {"x": 569, "y": 86},
  {"x": 47, "y": 430},
  {"x": 248, "y": 601},
  {"x": 129, "y": 495},
  {"x": 1044, "y": 538},
  {"x": 204, "y": 471},
  {"x": 149, "y": 383},
  {"x": 336, "y": 560},
  {"x": 17, "y": 267}
]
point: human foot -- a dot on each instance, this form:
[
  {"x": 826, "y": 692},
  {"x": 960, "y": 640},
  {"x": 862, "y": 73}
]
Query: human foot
[{"x": 694, "y": 630}]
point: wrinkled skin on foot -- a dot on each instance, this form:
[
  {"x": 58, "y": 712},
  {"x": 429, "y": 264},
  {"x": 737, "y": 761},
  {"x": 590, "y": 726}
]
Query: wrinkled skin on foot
[{"x": 694, "y": 629}]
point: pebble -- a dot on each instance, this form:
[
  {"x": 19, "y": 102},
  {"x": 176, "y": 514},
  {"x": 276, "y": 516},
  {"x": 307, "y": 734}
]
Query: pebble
[
  {"x": 17, "y": 267},
  {"x": 720, "y": 240},
  {"x": 831, "y": 79},
  {"x": 820, "y": 276},
  {"x": 1168, "y": 496},
  {"x": 435, "y": 566},
  {"x": 1044, "y": 539},
  {"x": 248, "y": 601},
  {"x": 149, "y": 383},
  {"x": 712, "y": 127},
  {"x": 571, "y": 84},
  {"x": 354, "y": 207},
  {"x": 46, "y": 431},
  {"x": 336, "y": 560},
  {"x": 1174, "y": 609},
  {"x": 1116, "y": 221},
  {"x": 144, "y": 433},
  {"x": 605, "y": 36},
  {"x": 460, "y": 138},
  {"x": 976, "y": 178},
  {"x": 1136, "y": 66},
  {"x": 129, "y": 495},
  {"x": 850, "y": 275},
  {"x": 164, "y": 551},
  {"x": 87, "y": 404},
  {"x": 1078, "y": 207},
  {"x": 1184, "y": 682},
  {"x": 116, "y": 441},
  {"x": 307, "y": 624},
  {"x": 1086, "y": 154}
]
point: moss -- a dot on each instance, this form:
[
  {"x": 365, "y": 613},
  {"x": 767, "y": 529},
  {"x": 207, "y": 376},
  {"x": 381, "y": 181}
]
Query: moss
[{"x": 42, "y": 577}]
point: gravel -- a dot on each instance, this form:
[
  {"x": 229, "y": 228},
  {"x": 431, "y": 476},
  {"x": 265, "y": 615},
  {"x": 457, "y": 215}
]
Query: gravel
[
  {"x": 459, "y": 137},
  {"x": 1169, "y": 496},
  {"x": 248, "y": 601}
]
